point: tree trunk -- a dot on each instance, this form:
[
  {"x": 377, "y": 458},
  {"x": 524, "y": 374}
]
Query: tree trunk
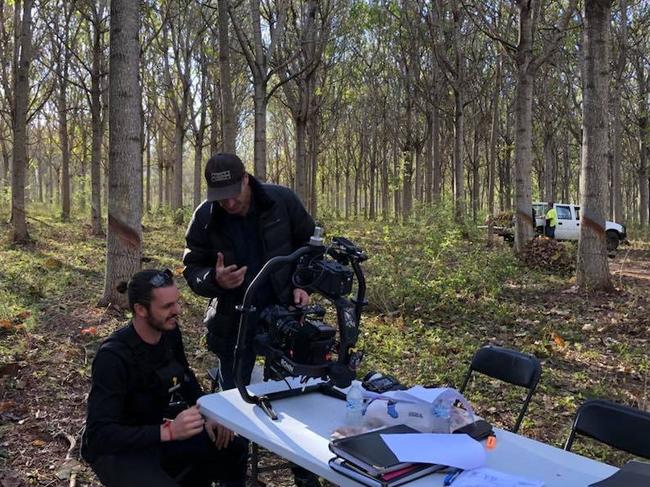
[
  {"x": 65, "y": 147},
  {"x": 147, "y": 199},
  {"x": 301, "y": 184},
  {"x": 348, "y": 195},
  {"x": 437, "y": 155},
  {"x": 459, "y": 168},
  {"x": 476, "y": 182},
  {"x": 97, "y": 133},
  {"x": 21, "y": 105},
  {"x": 592, "y": 271},
  {"x": 428, "y": 162},
  {"x": 313, "y": 166},
  {"x": 494, "y": 128},
  {"x": 6, "y": 161},
  {"x": 229, "y": 124},
  {"x": 642, "y": 109},
  {"x": 407, "y": 185},
  {"x": 524, "y": 225},
  {"x": 177, "y": 165},
  {"x": 616, "y": 146},
  {"x": 550, "y": 165},
  {"x": 124, "y": 236},
  {"x": 41, "y": 176},
  {"x": 373, "y": 172},
  {"x": 62, "y": 68},
  {"x": 259, "y": 141},
  {"x": 385, "y": 191}
]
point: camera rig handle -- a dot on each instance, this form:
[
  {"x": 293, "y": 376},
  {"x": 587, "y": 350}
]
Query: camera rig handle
[{"x": 348, "y": 316}]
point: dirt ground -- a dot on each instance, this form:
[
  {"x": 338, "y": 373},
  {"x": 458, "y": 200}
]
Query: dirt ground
[{"x": 43, "y": 391}]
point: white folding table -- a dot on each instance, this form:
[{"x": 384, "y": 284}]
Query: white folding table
[{"x": 302, "y": 432}]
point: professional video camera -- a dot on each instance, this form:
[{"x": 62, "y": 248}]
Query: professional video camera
[{"x": 295, "y": 341}]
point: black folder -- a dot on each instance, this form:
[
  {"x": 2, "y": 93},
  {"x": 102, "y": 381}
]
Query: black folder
[
  {"x": 369, "y": 452},
  {"x": 633, "y": 474}
]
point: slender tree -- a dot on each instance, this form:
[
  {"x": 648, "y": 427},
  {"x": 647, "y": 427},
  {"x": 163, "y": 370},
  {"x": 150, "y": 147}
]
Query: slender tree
[
  {"x": 22, "y": 61},
  {"x": 592, "y": 271},
  {"x": 123, "y": 240}
]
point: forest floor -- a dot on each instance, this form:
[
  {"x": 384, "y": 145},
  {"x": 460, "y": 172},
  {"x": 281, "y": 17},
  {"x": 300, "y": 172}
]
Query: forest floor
[{"x": 431, "y": 308}]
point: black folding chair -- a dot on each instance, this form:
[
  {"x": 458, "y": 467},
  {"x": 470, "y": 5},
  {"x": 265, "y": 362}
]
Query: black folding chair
[
  {"x": 616, "y": 425},
  {"x": 511, "y": 366}
]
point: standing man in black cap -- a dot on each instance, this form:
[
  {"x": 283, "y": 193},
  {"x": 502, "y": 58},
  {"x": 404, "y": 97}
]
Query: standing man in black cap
[{"x": 242, "y": 224}]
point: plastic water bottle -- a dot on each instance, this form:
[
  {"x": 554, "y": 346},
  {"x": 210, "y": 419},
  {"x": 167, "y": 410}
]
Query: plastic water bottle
[
  {"x": 441, "y": 416},
  {"x": 354, "y": 406}
]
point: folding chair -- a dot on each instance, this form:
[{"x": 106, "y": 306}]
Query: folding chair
[
  {"x": 511, "y": 366},
  {"x": 616, "y": 425}
]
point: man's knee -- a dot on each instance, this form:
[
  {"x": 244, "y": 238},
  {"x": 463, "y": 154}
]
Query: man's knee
[{"x": 132, "y": 470}]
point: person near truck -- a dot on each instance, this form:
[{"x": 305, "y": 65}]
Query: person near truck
[
  {"x": 143, "y": 426},
  {"x": 242, "y": 224},
  {"x": 551, "y": 220}
]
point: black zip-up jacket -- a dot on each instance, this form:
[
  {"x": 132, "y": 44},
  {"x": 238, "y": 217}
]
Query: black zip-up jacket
[
  {"x": 283, "y": 225},
  {"x": 130, "y": 393}
]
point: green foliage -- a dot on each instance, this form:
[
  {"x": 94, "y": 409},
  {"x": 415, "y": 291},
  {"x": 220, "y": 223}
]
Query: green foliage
[{"x": 429, "y": 266}]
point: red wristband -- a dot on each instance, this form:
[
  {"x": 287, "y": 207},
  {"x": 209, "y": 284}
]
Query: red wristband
[{"x": 168, "y": 424}]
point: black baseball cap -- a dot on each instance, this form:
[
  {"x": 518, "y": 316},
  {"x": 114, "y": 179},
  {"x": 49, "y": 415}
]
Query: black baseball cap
[{"x": 224, "y": 173}]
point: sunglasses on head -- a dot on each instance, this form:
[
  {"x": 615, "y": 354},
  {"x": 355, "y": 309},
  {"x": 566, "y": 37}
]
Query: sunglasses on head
[{"x": 161, "y": 278}]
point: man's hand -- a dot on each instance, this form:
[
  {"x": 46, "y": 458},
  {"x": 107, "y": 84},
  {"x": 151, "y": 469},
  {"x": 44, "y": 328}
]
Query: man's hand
[
  {"x": 219, "y": 434},
  {"x": 300, "y": 297},
  {"x": 229, "y": 277},
  {"x": 188, "y": 423}
]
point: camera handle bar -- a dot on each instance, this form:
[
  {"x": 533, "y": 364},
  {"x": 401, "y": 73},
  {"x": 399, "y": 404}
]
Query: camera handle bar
[{"x": 348, "y": 317}]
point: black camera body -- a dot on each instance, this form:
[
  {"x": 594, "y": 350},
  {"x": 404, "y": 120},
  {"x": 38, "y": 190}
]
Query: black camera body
[
  {"x": 327, "y": 277},
  {"x": 299, "y": 334}
]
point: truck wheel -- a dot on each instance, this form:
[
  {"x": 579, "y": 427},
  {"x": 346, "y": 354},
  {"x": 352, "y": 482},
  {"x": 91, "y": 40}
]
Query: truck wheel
[{"x": 612, "y": 240}]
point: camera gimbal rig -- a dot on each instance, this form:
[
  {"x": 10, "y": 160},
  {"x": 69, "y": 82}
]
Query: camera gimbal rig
[{"x": 296, "y": 343}]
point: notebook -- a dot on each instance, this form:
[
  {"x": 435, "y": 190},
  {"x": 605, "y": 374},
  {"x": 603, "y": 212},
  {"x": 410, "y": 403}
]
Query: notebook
[
  {"x": 633, "y": 474},
  {"x": 369, "y": 452},
  {"x": 389, "y": 479}
]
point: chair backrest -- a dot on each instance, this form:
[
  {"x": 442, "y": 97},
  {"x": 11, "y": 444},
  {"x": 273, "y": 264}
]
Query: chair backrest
[
  {"x": 511, "y": 366},
  {"x": 616, "y": 425}
]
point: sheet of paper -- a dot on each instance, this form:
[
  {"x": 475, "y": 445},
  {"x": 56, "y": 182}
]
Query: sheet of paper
[
  {"x": 486, "y": 477},
  {"x": 422, "y": 393},
  {"x": 456, "y": 450}
]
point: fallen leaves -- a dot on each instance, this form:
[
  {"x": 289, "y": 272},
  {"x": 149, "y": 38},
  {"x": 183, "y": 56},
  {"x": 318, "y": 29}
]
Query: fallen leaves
[
  {"x": 558, "y": 340},
  {"x": 91, "y": 330}
]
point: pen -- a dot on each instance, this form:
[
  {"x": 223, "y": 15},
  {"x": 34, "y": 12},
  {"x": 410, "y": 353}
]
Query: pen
[{"x": 451, "y": 477}]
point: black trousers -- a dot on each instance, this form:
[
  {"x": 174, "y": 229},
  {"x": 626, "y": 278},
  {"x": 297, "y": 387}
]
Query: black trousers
[{"x": 162, "y": 465}]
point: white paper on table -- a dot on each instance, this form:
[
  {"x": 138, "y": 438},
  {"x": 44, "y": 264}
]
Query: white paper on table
[
  {"x": 422, "y": 393},
  {"x": 453, "y": 450},
  {"x": 486, "y": 477},
  {"x": 429, "y": 396}
]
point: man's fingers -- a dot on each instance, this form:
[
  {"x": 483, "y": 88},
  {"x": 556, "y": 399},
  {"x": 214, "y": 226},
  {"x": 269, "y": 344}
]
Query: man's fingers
[
  {"x": 224, "y": 437},
  {"x": 230, "y": 269},
  {"x": 210, "y": 432},
  {"x": 219, "y": 260}
]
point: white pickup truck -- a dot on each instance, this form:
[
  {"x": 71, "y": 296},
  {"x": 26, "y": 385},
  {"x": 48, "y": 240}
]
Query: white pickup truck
[{"x": 568, "y": 224}]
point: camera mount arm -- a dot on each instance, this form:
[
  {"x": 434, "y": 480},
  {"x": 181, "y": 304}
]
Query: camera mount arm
[
  {"x": 246, "y": 309},
  {"x": 330, "y": 278}
]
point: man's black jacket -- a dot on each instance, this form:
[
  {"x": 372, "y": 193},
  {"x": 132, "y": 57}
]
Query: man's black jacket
[
  {"x": 283, "y": 225},
  {"x": 130, "y": 391}
]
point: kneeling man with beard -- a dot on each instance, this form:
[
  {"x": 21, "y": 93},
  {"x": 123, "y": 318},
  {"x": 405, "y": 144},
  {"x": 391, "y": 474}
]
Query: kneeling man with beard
[{"x": 143, "y": 426}]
